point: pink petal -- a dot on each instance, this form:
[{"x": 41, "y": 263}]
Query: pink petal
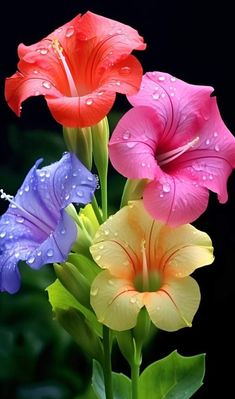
[
  {"x": 175, "y": 200},
  {"x": 133, "y": 144}
]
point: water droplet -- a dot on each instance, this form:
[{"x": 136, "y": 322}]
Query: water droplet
[
  {"x": 119, "y": 31},
  {"x": 47, "y": 174},
  {"x": 207, "y": 141},
  {"x": 217, "y": 148},
  {"x": 143, "y": 164},
  {"x": 46, "y": 84},
  {"x": 125, "y": 70},
  {"x": 31, "y": 260},
  {"x": 70, "y": 31},
  {"x": 39, "y": 253},
  {"x": 13, "y": 206},
  {"x": 161, "y": 78},
  {"x": 118, "y": 83},
  {"x": 50, "y": 253},
  {"x": 173, "y": 79},
  {"x": 80, "y": 193},
  {"x": 21, "y": 192},
  {"x": 111, "y": 282},
  {"x": 17, "y": 255},
  {"x": 172, "y": 94},
  {"x": 62, "y": 231},
  {"x": 37, "y": 93},
  {"x": 204, "y": 177},
  {"x": 126, "y": 263},
  {"x": 215, "y": 134},
  {"x": 90, "y": 178},
  {"x": 94, "y": 291},
  {"x": 41, "y": 173},
  {"x": 131, "y": 144},
  {"x": 59, "y": 30},
  {"x": 35, "y": 71},
  {"x": 210, "y": 177},
  {"x": 89, "y": 101},
  {"x": 67, "y": 197},
  {"x": 106, "y": 232},
  {"x": 101, "y": 247},
  {"x": 20, "y": 219},
  {"x": 75, "y": 174},
  {"x": 26, "y": 188},
  {"x": 116, "y": 234},
  {"x": 161, "y": 195},
  {"x": 126, "y": 135},
  {"x": 166, "y": 187},
  {"x": 2, "y": 234},
  {"x": 97, "y": 258},
  {"x": 74, "y": 186},
  {"x": 163, "y": 95},
  {"x": 100, "y": 93},
  {"x": 66, "y": 177},
  {"x": 156, "y": 96},
  {"x": 43, "y": 51},
  {"x": 133, "y": 300}
]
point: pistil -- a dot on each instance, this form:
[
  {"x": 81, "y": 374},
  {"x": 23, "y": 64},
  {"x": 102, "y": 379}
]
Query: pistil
[{"x": 173, "y": 154}]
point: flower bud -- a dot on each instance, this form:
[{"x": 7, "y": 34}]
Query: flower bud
[{"x": 79, "y": 141}]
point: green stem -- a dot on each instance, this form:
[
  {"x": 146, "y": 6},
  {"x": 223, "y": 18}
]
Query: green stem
[
  {"x": 97, "y": 211},
  {"x": 107, "y": 366},
  {"x": 104, "y": 193},
  {"x": 135, "y": 370}
]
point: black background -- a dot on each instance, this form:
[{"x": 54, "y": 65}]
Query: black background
[{"x": 194, "y": 41}]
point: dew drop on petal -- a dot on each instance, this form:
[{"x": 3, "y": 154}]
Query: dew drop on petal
[
  {"x": 80, "y": 193},
  {"x": 163, "y": 95},
  {"x": 125, "y": 70},
  {"x": 17, "y": 255},
  {"x": 204, "y": 177},
  {"x": 50, "y": 253},
  {"x": 133, "y": 300},
  {"x": 26, "y": 188},
  {"x": 70, "y": 31},
  {"x": 89, "y": 101},
  {"x": 43, "y": 51},
  {"x": 31, "y": 260},
  {"x": 67, "y": 197},
  {"x": 166, "y": 187},
  {"x": 106, "y": 232},
  {"x": 94, "y": 291},
  {"x": 217, "y": 148},
  {"x": 207, "y": 141},
  {"x": 2, "y": 234},
  {"x": 46, "y": 84},
  {"x": 118, "y": 83},
  {"x": 35, "y": 71},
  {"x": 131, "y": 144},
  {"x": 62, "y": 231},
  {"x": 173, "y": 79},
  {"x": 143, "y": 164},
  {"x": 215, "y": 134},
  {"x": 161, "y": 78},
  {"x": 155, "y": 96},
  {"x": 90, "y": 178},
  {"x": 126, "y": 135},
  {"x": 75, "y": 174},
  {"x": 37, "y": 93},
  {"x": 101, "y": 247},
  {"x": 47, "y": 174},
  {"x": 20, "y": 219},
  {"x": 210, "y": 177},
  {"x": 111, "y": 282},
  {"x": 161, "y": 195},
  {"x": 39, "y": 253},
  {"x": 100, "y": 93}
]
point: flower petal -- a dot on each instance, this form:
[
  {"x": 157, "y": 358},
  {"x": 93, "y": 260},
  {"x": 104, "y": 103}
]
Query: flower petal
[
  {"x": 133, "y": 144},
  {"x": 184, "y": 249},
  {"x": 174, "y": 305},
  {"x": 81, "y": 111},
  {"x": 115, "y": 301},
  {"x": 175, "y": 200}
]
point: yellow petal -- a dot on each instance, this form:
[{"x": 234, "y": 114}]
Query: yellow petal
[
  {"x": 183, "y": 250},
  {"x": 174, "y": 305},
  {"x": 115, "y": 302}
]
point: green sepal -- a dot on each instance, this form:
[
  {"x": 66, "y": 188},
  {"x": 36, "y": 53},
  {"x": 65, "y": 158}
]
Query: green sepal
[
  {"x": 100, "y": 139},
  {"x": 79, "y": 141},
  {"x": 133, "y": 190},
  {"x": 121, "y": 383},
  {"x": 77, "y": 326},
  {"x": 126, "y": 344},
  {"x": 174, "y": 377}
]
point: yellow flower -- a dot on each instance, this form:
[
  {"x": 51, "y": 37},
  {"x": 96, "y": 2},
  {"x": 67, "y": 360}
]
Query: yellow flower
[{"x": 147, "y": 263}]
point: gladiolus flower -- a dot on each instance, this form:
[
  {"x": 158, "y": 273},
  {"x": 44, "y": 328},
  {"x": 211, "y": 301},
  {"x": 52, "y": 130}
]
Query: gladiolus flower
[
  {"x": 147, "y": 264},
  {"x": 78, "y": 68},
  {"x": 36, "y": 227},
  {"x": 174, "y": 137}
]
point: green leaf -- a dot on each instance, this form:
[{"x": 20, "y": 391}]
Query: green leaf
[
  {"x": 121, "y": 384},
  {"x": 60, "y": 298},
  {"x": 174, "y": 377}
]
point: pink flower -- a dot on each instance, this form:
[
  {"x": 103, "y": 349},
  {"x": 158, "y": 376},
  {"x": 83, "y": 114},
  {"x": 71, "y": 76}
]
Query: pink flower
[
  {"x": 175, "y": 138},
  {"x": 78, "y": 68}
]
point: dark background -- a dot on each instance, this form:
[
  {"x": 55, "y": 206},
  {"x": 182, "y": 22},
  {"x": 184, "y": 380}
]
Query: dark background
[{"x": 192, "y": 40}]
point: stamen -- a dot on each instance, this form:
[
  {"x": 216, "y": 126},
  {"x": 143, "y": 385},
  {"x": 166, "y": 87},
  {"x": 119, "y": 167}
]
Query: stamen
[
  {"x": 173, "y": 154},
  {"x": 59, "y": 51},
  {"x": 31, "y": 218},
  {"x": 144, "y": 267}
]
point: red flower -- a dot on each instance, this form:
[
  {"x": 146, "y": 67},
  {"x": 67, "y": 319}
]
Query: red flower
[{"x": 78, "y": 68}]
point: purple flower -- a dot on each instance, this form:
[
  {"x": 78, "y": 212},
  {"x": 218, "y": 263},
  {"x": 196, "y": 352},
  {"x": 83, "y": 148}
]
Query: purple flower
[{"x": 36, "y": 227}]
